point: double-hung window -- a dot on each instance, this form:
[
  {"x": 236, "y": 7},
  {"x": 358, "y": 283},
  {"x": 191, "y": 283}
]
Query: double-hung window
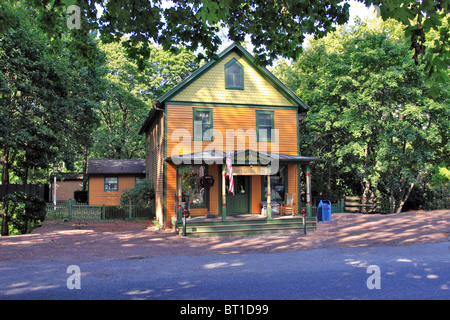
[
  {"x": 265, "y": 126},
  {"x": 203, "y": 124},
  {"x": 111, "y": 184}
]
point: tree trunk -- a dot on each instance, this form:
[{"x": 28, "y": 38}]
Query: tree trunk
[
  {"x": 25, "y": 175},
  {"x": 5, "y": 231},
  {"x": 85, "y": 162},
  {"x": 5, "y": 167},
  {"x": 365, "y": 195},
  {"x": 405, "y": 192},
  {"x": 391, "y": 198}
]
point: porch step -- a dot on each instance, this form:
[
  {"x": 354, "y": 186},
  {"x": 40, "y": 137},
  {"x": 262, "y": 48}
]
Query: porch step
[{"x": 247, "y": 226}]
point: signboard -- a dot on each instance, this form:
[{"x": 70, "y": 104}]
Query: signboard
[{"x": 250, "y": 170}]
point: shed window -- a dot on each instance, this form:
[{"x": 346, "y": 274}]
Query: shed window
[
  {"x": 138, "y": 181},
  {"x": 234, "y": 75},
  {"x": 111, "y": 184}
]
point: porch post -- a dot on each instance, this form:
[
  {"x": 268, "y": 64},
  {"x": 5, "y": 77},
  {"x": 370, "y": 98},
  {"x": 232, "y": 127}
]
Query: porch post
[
  {"x": 224, "y": 193},
  {"x": 179, "y": 195},
  {"x": 269, "y": 206},
  {"x": 299, "y": 191},
  {"x": 308, "y": 191}
]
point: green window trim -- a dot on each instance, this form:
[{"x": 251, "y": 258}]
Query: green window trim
[
  {"x": 229, "y": 84},
  {"x": 258, "y": 125},
  {"x": 195, "y": 126},
  {"x": 107, "y": 185},
  {"x": 138, "y": 179}
]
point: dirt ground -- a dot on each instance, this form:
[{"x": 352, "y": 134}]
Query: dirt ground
[{"x": 106, "y": 240}]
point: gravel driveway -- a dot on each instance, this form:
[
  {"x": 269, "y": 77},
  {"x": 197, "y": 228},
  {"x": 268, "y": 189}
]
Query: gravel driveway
[{"x": 108, "y": 240}]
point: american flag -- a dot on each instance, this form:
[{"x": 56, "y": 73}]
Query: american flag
[{"x": 230, "y": 173}]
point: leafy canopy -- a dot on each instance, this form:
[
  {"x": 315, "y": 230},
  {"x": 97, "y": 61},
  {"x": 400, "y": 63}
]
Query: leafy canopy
[
  {"x": 276, "y": 28},
  {"x": 372, "y": 120}
]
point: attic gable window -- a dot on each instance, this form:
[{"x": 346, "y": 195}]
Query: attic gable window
[{"x": 234, "y": 75}]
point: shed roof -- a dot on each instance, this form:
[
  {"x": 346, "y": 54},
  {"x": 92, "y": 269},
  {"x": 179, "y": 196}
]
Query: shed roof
[
  {"x": 69, "y": 176},
  {"x": 116, "y": 166}
]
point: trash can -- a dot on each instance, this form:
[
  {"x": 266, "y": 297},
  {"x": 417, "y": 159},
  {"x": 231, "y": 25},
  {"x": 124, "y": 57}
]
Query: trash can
[{"x": 324, "y": 211}]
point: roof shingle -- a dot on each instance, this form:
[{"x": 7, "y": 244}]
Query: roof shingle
[{"x": 116, "y": 166}]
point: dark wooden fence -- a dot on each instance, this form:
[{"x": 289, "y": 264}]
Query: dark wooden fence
[
  {"x": 354, "y": 204},
  {"x": 41, "y": 191}
]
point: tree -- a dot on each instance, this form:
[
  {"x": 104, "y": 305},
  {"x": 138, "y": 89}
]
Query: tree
[
  {"x": 129, "y": 95},
  {"x": 21, "y": 209},
  {"x": 277, "y": 28},
  {"x": 47, "y": 96},
  {"x": 372, "y": 120},
  {"x": 421, "y": 19}
]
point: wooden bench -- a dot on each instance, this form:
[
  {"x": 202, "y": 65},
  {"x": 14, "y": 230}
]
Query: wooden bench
[{"x": 354, "y": 204}]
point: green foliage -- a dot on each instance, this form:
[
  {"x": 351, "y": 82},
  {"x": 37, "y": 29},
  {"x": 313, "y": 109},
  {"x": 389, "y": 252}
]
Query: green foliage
[
  {"x": 47, "y": 95},
  {"x": 372, "y": 120},
  {"x": 129, "y": 95},
  {"x": 141, "y": 195},
  {"x": 426, "y": 23},
  {"x": 276, "y": 28},
  {"x": 21, "y": 211}
]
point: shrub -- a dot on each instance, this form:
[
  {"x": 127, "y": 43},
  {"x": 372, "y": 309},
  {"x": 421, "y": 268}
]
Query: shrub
[
  {"x": 141, "y": 195},
  {"x": 81, "y": 196},
  {"x": 20, "y": 212}
]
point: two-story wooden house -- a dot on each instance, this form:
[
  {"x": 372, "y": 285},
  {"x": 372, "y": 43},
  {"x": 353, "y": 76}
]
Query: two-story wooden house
[{"x": 229, "y": 108}]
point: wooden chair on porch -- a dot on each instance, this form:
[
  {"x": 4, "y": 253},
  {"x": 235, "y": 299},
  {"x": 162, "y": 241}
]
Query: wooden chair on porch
[{"x": 289, "y": 203}]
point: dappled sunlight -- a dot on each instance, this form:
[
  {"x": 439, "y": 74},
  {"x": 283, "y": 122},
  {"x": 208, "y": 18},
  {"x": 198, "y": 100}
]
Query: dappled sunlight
[
  {"x": 88, "y": 241},
  {"x": 216, "y": 265},
  {"x": 23, "y": 288}
]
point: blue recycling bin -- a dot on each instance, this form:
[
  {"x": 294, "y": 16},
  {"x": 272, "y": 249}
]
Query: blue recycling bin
[{"x": 324, "y": 211}]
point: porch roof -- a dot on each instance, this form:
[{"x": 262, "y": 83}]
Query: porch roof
[{"x": 219, "y": 157}]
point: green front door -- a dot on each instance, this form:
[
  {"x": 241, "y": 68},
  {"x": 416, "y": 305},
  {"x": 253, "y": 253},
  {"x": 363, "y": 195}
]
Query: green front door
[{"x": 240, "y": 201}]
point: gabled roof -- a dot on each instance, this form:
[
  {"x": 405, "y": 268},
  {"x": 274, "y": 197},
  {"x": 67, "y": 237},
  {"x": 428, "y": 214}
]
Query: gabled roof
[
  {"x": 266, "y": 74},
  {"x": 116, "y": 166}
]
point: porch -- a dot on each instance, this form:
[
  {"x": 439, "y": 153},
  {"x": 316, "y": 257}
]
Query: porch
[
  {"x": 245, "y": 224},
  {"x": 263, "y": 184}
]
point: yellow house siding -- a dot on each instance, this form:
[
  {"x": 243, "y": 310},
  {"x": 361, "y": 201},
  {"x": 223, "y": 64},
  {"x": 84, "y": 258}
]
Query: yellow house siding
[
  {"x": 97, "y": 194},
  {"x": 214, "y": 171},
  {"x": 256, "y": 194},
  {"x": 210, "y": 87},
  {"x": 180, "y": 117},
  {"x": 293, "y": 183},
  {"x": 171, "y": 186},
  {"x": 154, "y": 161}
]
